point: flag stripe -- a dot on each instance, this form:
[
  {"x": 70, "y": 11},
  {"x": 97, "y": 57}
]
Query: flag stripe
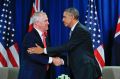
[
  {"x": 101, "y": 52},
  {"x": 11, "y": 58},
  {"x": 116, "y": 34},
  {"x": 118, "y": 28},
  {"x": 36, "y": 4},
  {"x": 3, "y": 61},
  {"x": 15, "y": 55},
  {"x": 30, "y": 24},
  {"x": 16, "y": 47},
  {"x": 33, "y": 11},
  {"x": 4, "y": 54},
  {"x": 99, "y": 58},
  {"x": 119, "y": 20}
]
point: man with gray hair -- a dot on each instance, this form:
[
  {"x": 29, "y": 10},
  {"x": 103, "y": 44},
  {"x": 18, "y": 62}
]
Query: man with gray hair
[
  {"x": 82, "y": 62},
  {"x": 34, "y": 66}
]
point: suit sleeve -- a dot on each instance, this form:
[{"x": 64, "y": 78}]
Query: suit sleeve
[
  {"x": 78, "y": 37},
  {"x": 29, "y": 41}
]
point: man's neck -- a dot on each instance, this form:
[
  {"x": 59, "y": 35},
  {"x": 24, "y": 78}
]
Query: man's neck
[{"x": 73, "y": 23}]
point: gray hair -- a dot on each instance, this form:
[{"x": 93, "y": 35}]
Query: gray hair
[
  {"x": 36, "y": 17},
  {"x": 73, "y": 11}
]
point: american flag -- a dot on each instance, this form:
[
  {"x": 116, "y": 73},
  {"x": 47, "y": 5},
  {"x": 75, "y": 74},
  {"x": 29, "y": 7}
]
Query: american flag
[
  {"x": 35, "y": 8},
  {"x": 8, "y": 47},
  {"x": 94, "y": 28}
]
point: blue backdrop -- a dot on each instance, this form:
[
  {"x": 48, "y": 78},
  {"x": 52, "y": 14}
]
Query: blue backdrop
[{"x": 108, "y": 12}]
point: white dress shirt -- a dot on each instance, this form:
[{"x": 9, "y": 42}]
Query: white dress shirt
[{"x": 40, "y": 34}]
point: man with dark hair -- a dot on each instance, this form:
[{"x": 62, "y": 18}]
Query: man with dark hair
[{"x": 82, "y": 62}]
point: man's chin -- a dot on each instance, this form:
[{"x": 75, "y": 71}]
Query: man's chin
[{"x": 46, "y": 29}]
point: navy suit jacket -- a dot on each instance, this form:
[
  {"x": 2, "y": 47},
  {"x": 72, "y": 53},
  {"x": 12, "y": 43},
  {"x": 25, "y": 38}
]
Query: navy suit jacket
[{"x": 32, "y": 66}]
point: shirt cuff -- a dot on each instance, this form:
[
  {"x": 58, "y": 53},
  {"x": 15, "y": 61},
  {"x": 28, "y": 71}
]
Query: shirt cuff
[
  {"x": 62, "y": 61},
  {"x": 50, "y": 60},
  {"x": 45, "y": 51}
]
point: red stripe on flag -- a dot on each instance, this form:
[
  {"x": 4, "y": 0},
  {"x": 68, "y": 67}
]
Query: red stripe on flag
[
  {"x": 99, "y": 58},
  {"x": 16, "y": 47},
  {"x": 118, "y": 28},
  {"x": 36, "y": 4},
  {"x": 11, "y": 58},
  {"x": 2, "y": 60},
  {"x": 31, "y": 25},
  {"x": 33, "y": 11}
]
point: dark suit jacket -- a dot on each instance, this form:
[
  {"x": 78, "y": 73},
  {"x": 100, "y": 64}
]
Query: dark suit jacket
[
  {"x": 32, "y": 66},
  {"x": 82, "y": 62}
]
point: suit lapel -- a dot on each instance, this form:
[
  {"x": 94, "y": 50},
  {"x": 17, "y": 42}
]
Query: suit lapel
[
  {"x": 38, "y": 38},
  {"x": 75, "y": 29}
]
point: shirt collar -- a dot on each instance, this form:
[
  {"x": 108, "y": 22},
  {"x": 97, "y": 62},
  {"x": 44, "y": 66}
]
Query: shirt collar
[
  {"x": 39, "y": 32},
  {"x": 74, "y": 26}
]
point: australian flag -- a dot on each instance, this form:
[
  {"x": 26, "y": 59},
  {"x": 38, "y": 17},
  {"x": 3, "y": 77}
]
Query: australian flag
[{"x": 116, "y": 46}]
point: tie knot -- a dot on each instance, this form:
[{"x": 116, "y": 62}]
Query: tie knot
[{"x": 44, "y": 33}]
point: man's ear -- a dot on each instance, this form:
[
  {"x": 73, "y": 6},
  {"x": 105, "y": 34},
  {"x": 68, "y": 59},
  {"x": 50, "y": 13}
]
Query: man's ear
[{"x": 73, "y": 17}]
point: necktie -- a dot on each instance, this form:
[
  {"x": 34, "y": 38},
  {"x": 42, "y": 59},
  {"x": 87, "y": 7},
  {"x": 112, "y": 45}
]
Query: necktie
[
  {"x": 44, "y": 39},
  {"x": 44, "y": 34},
  {"x": 70, "y": 34}
]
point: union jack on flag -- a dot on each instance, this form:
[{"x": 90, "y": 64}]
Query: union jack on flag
[
  {"x": 94, "y": 28},
  {"x": 9, "y": 56},
  {"x": 118, "y": 28},
  {"x": 116, "y": 46},
  {"x": 35, "y": 8}
]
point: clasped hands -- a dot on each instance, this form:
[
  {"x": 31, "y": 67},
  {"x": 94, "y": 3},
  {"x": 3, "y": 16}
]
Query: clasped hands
[{"x": 57, "y": 61}]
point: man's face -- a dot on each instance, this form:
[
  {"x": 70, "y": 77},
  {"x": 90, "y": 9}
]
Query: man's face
[
  {"x": 43, "y": 23},
  {"x": 67, "y": 19}
]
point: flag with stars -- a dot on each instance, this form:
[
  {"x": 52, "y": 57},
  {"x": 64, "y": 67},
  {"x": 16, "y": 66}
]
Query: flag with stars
[
  {"x": 35, "y": 8},
  {"x": 8, "y": 47},
  {"x": 92, "y": 23}
]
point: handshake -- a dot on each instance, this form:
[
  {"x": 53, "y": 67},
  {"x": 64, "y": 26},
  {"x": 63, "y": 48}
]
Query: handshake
[{"x": 57, "y": 61}]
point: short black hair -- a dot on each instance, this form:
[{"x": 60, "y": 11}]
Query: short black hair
[{"x": 73, "y": 11}]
